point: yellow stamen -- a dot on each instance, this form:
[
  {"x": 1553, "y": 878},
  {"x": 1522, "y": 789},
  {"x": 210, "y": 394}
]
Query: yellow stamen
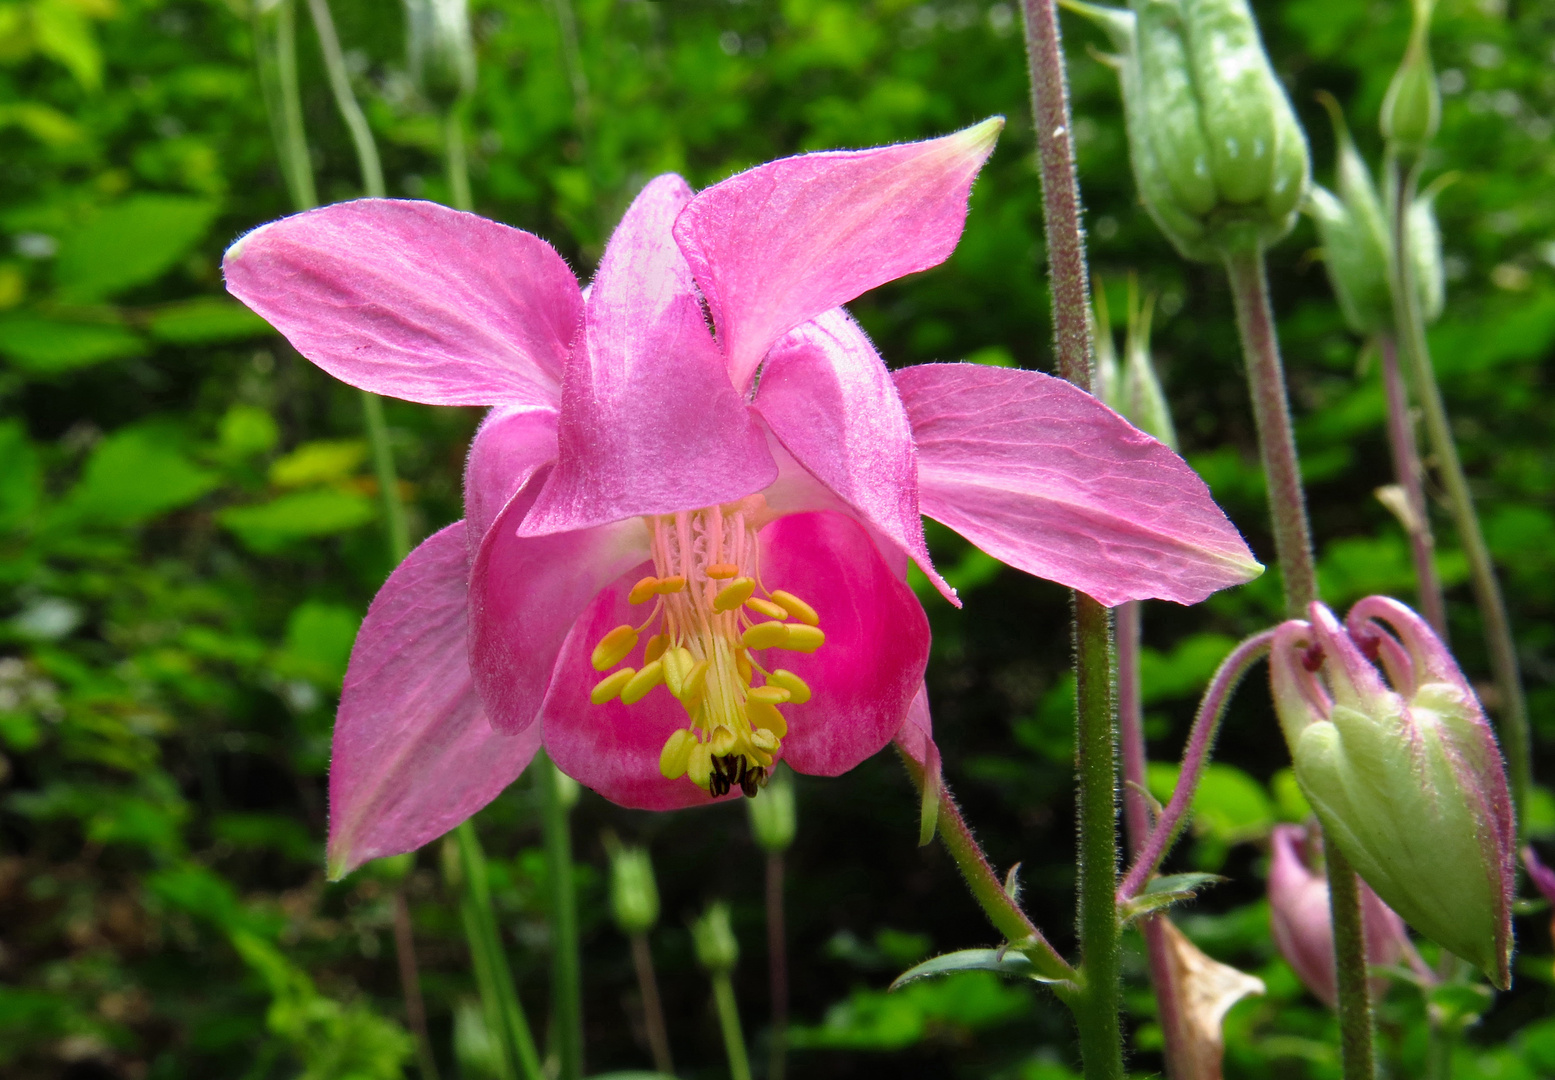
[
  {"x": 645, "y": 589},
  {"x": 611, "y": 685},
  {"x": 768, "y": 695},
  {"x": 723, "y": 570},
  {"x": 655, "y": 647},
  {"x": 797, "y": 608},
  {"x": 766, "y": 717},
  {"x": 798, "y": 689},
  {"x": 670, "y": 585},
  {"x": 805, "y": 639},
  {"x": 645, "y": 680},
  {"x": 677, "y": 665},
  {"x": 763, "y": 739},
  {"x": 699, "y": 764},
  {"x": 676, "y": 753},
  {"x": 765, "y": 635},
  {"x": 694, "y": 681},
  {"x": 742, "y": 666},
  {"x": 767, "y": 608},
  {"x": 734, "y": 594},
  {"x": 613, "y": 647},
  {"x": 722, "y": 741}
]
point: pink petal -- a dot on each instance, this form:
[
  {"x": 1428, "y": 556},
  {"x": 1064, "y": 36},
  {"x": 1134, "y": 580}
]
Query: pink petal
[
  {"x": 865, "y": 677},
  {"x": 413, "y": 754},
  {"x": 916, "y": 736},
  {"x": 525, "y": 594},
  {"x": 649, "y": 422},
  {"x": 777, "y": 245},
  {"x": 511, "y": 444},
  {"x": 1041, "y": 475},
  {"x": 828, "y": 397},
  {"x": 414, "y": 300}
]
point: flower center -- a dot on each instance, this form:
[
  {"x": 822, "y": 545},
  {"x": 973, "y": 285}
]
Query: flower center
[{"x": 709, "y": 620}]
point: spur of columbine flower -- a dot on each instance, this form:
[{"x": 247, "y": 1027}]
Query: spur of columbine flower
[{"x": 690, "y": 511}]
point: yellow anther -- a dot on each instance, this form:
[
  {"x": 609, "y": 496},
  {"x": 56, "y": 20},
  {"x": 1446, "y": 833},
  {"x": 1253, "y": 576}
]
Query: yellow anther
[
  {"x": 671, "y": 584},
  {"x": 762, "y": 739},
  {"x": 646, "y": 679},
  {"x": 655, "y": 647},
  {"x": 645, "y": 590},
  {"x": 721, "y": 741},
  {"x": 768, "y": 695},
  {"x": 798, "y": 689},
  {"x": 677, "y": 665},
  {"x": 805, "y": 639},
  {"x": 611, "y": 685},
  {"x": 742, "y": 666},
  {"x": 694, "y": 681},
  {"x": 734, "y": 594},
  {"x": 763, "y": 758},
  {"x": 765, "y": 717},
  {"x": 676, "y": 753},
  {"x": 699, "y": 764},
  {"x": 767, "y": 608},
  {"x": 797, "y": 608},
  {"x": 765, "y": 635},
  {"x": 721, "y": 570},
  {"x": 613, "y": 647}
]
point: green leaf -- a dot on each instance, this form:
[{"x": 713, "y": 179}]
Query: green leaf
[
  {"x": 21, "y": 481},
  {"x": 1163, "y": 892},
  {"x": 47, "y": 346},
  {"x": 134, "y": 475},
  {"x": 300, "y": 515},
  {"x": 246, "y": 430},
  {"x": 324, "y": 462},
  {"x": 319, "y": 637},
  {"x": 207, "y": 320},
  {"x": 130, "y": 243},
  {"x": 1004, "y": 961}
]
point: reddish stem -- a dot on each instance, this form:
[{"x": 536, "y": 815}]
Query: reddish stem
[{"x": 1411, "y": 477}]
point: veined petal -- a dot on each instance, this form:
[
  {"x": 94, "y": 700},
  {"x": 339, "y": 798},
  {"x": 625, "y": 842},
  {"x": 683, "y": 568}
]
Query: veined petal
[
  {"x": 414, "y": 300},
  {"x": 413, "y": 754},
  {"x": 513, "y": 442},
  {"x": 828, "y": 397},
  {"x": 1041, "y": 475},
  {"x": 865, "y": 677},
  {"x": 649, "y": 421},
  {"x": 777, "y": 245}
]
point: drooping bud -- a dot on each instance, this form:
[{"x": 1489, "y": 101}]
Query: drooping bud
[
  {"x": 442, "y": 52},
  {"x": 634, "y": 895},
  {"x": 1412, "y": 109},
  {"x": 1402, "y": 769},
  {"x": 1219, "y": 158},
  {"x": 716, "y": 947},
  {"x": 772, "y": 817},
  {"x": 1299, "y": 918}
]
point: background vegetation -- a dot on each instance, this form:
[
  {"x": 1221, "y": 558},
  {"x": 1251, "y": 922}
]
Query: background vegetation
[{"x": 189, "y": 529}]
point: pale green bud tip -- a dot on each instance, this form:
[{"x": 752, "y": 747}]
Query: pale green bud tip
[
  {"x": 634, "y": 895},
  {"x": 772, "y": 816},
  {"x": 1393, "y": 751},
  {"x": 716, "y": 948},
  {"x": 1412, "y": 109},
  {"x": 979, "y": 139}
]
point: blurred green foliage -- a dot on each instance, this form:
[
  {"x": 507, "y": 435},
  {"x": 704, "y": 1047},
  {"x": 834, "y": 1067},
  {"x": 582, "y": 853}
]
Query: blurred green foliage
[{"x": 189, "y": 530}]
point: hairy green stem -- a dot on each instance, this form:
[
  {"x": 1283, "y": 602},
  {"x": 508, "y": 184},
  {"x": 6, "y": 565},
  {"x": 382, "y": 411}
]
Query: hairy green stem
[
  {"x": 729, "y": 1025},
  {"x": 1411, "y": 480},
  {"x": 1344, "y": 908},
  {"x": 1512, "y": 707},
  {"x": 566, "y": 967}
]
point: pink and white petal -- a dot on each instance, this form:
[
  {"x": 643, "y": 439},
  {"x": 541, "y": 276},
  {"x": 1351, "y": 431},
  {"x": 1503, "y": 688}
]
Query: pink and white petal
[
  {"x": 864, "y": 678},
  {"x": 828, "y": 397},
  {"x": 777, "y": 245},
  {"x": 649, "y": 422},
  {"x": 525, "y": 594},
  {"x": 413, "y": 754},
  {"x": 414, "y": 300},
  {"x": 614, "y": 748},
  {"x": 511, "y": 445},
  {"x": 1041, "y": 475}
]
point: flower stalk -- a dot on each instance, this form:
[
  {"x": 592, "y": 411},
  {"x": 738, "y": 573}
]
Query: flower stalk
[
  {"x": 718, "y": 951},
  {"x": 566, "y": 966},
  {"x": 1411, "y": 480}
]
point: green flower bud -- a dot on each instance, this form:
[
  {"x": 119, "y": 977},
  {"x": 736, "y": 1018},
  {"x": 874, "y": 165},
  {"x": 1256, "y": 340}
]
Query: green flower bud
[
  {"x": 442, "y": 52},
  {"x": 717, "y": 950},
  {"x": 1425, "y": 251},
  {"x": 1353, "y": 226},
  {"x": 1107, "y": 377},
  {"x": 1144, "y": 402},
  {"x": 1402, "y": 769},
  {"x": 634, "y": 896},
  {"x": 1412, "y": 109},
  {"x": 772, "y": 813},
  {"x": 1219, "y": 158}
]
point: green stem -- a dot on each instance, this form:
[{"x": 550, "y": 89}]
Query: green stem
[
  {"x": 777, "y": 966},
  {"x": 388, "y": 479},
  {"x": 1513, "y": 708},
  {"x": 729, "y": 1024},
  {"x": 1344, "y": 906},
  {"x": 1411, "y": 479},
  {"x": 275, "y": 51},
  {"x": 653, "y": 1007},
  {"x": 345, "y": 100},
  {"x": 1276, "y": 441},
  {"x": 566, "y": 969},
  {"x": 457, "y": 163},
  {"x": 410, "y": 985}
]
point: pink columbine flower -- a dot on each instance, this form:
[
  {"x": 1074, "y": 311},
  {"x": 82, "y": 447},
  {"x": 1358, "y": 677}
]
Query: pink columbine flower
[{"x": 690, "y": 511}]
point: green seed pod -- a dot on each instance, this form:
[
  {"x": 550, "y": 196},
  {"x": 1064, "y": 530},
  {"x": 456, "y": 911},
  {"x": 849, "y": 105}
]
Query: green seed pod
[
  {"x": 442, "y": 52},
  {"x": 1412, "y": 109},
  {"x": 772, "y": 817},
  {"x": 1219, "y": 158},
  {"x": 717, "y": 949},
  {"x": 634, "y": 895}
]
